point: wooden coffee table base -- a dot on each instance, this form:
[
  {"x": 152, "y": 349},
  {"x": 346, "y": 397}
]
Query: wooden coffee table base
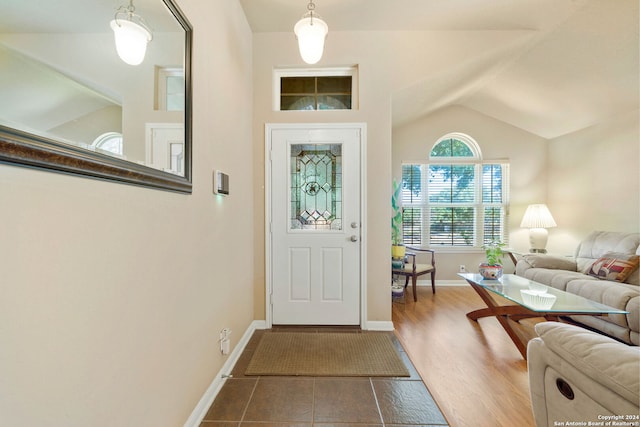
[
  {"x": 510, "y": 309},
  {"x": 508, "y": 316}
]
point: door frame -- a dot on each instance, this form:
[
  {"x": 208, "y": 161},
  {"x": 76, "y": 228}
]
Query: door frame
[
  {"x": 363, "y": 209},
  {"x": 148, "y": 138}
]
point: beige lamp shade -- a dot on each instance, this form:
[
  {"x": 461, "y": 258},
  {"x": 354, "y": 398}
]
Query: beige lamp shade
[{"x": 537, "y": 218}]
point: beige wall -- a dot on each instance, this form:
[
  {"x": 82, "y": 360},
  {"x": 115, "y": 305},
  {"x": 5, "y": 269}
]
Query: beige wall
[
  {"x": 113, "y": 295},
  {"x": 525, "y": 152},
  {"x": 594, "y": 181}
]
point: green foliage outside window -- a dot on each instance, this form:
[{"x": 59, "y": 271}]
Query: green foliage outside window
[{"x": 451, "y": 148}]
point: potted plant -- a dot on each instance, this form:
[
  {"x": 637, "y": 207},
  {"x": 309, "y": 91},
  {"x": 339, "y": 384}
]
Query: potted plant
[
  {"x": 397, "y": 247},
  {"x": 492, "y": 269}
]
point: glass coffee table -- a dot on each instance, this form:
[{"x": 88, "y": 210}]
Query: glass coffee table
[{"x": 510, "y": 286}]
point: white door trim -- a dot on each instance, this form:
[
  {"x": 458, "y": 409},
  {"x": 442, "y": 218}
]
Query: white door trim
[
  {"x": 149, "y": 128},
  {"x": 363, "y": 210}
]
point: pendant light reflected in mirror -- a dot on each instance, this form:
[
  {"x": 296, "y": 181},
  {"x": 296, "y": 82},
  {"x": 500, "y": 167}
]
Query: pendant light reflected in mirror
[{"x": 131, "y": 34}]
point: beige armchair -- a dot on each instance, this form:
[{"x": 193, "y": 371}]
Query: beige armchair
[{"x": 576, "y": 375}]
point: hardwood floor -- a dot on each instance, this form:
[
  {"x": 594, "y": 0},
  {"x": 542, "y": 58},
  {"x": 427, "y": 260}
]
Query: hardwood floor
[{"x": 472, "y": 369}]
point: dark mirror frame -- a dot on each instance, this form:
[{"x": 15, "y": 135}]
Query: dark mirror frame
[{"x": 24, "y": 149}]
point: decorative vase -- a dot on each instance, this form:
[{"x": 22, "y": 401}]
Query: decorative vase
[
  {"x": 397, "y": 290},
  {"x": 397, "y": 263},
  {"x": 398, "y": 251},
  {"x": 491, "y": 272}
]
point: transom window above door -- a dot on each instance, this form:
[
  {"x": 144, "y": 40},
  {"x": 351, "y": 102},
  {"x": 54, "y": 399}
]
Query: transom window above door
[{"x": 315, "y": 89}]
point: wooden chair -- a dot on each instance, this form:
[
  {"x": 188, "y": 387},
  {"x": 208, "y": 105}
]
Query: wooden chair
[{"x": 412, "y": 269}]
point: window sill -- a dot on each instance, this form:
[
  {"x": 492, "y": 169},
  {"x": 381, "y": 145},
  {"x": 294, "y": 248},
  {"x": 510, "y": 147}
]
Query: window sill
[{"x": 453, "y": 250}]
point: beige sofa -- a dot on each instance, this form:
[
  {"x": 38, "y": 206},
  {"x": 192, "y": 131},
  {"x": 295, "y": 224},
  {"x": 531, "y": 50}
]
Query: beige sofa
[
  {"x": 578, "y": 377},
  {"x": 591, "y": 273}
]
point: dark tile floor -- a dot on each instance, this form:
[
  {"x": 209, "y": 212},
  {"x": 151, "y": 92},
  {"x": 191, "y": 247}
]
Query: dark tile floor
[{"x": 249, "y": 401}]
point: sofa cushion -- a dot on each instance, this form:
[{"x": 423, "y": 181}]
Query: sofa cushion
[
  {"x": 596, "y": 244},
  {"x": 614, "y": 294},
  {"x": 554, "y": 278},
  {"x": 634, "y": 278},
  {"x": 614, "y": 266},
  {"x": 550, "y": 261},
  {"x": 606, "y": 327}
]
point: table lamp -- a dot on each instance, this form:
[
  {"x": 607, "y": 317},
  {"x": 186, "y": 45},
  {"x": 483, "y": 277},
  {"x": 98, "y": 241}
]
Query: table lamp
[{"x": 537, "y": 219}]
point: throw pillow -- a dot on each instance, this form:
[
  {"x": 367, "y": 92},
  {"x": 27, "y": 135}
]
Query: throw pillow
[
  {"x": 614, "y": 266},
  {"x": 550, "y": 261}
]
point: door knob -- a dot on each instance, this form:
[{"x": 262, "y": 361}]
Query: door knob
[
  {"x": 354, "y": 238},
  {"x": 354, "y": 225}
]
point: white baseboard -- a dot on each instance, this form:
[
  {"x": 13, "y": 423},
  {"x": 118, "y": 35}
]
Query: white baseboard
[
  {"x": 443, "y": 283},
  {"x": 378, "y": 326},
  {"x": 202, "y": 407},
  {"x": 209, "y": 396}
]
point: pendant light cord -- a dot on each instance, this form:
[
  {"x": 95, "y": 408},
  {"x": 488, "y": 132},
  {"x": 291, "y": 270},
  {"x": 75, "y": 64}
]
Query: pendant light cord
[
  {"x": 128, "y": 13},
  {"x": 310, "y": 7}
]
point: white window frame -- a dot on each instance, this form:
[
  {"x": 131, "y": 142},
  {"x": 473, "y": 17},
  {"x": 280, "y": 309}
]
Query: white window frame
[
  {"x": 162, "y": 75},
  {"x": 477, "y": 204},
  {"x": 106, "y": 137},
  {"x": 279, "y": 73}
]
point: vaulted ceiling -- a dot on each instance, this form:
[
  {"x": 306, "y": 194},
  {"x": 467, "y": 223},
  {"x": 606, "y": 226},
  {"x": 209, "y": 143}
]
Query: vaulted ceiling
[
  {"x": 566, "y": 65},
  {"x": 550, "y": 67}
]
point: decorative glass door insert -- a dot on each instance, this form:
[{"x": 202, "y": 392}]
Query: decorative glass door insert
[{"x": 316, "y": 187}]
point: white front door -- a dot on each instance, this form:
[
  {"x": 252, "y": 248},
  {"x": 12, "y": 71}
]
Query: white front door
[{"x": 315, "y": 223}]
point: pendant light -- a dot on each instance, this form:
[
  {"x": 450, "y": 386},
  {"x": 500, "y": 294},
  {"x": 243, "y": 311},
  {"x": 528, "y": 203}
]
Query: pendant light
[
  {"x": 131, "y": 33},
  {"x": 311, "y": 32}
]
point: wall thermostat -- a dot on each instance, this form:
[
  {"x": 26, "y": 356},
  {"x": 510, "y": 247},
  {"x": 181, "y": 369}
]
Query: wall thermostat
[{"x": 220, "y": 183}]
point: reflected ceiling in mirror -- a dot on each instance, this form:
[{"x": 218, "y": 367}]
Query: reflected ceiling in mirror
[{"x": 66, "y": 91}]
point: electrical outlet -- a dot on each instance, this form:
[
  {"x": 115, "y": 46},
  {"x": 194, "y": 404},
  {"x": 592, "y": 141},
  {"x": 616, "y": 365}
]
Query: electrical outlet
[
  {"x": 224, "y": 341},
  {"x": 463, "y": 269}
]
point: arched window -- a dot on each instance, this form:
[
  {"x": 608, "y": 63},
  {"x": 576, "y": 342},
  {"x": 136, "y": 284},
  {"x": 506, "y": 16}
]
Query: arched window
[
  {"x": 455, "y": 199},
  {"x": 110, "y": 142},
  {"x": 456, "y": 146}
]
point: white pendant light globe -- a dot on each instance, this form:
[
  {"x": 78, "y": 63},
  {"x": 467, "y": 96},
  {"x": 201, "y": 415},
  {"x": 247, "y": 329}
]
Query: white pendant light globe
[
  {"x": 311, "y": 33},
  {"x": 131, "y": 40}
]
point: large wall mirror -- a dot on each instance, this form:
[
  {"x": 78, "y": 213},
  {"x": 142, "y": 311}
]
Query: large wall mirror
[{"x": 70, "y": 104}]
